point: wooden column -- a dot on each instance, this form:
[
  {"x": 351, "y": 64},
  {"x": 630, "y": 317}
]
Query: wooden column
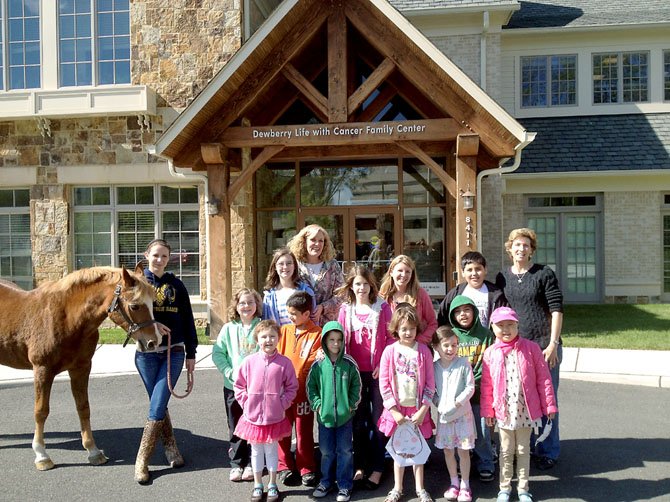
[
  {"x": 219, "y": 266},
  {"x": 467, "y": 147}
]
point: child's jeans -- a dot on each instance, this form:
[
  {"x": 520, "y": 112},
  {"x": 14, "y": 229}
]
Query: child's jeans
[
  {"x": 511, "y": 442},
  {"x": 302, "y": 416},
  {"x": 337, "y": 455},
  {"x": 483, "y": 447}
]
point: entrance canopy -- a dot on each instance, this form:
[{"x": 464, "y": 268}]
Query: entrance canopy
[{"x": 348, "y": 71}]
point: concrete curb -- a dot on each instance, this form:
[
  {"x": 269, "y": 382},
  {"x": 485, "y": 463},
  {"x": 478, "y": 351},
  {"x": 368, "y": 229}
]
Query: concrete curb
[{"x": 648, "y": 368}]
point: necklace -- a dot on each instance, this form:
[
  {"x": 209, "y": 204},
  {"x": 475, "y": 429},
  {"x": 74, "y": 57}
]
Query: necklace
[{"x": 519, "y": 277}]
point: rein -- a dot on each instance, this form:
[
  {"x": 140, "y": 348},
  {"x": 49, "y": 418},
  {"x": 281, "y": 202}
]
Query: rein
[
  {"x": 133, "y": 327},
  {"x": 189, "y": 375}
]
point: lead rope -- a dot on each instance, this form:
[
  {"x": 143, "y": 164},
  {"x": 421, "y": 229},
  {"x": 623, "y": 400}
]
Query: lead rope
[{"x": 189, "y": 375}]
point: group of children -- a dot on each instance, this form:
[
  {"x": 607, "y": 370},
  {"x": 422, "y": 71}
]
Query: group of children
[{"x": 366, "y": 374}]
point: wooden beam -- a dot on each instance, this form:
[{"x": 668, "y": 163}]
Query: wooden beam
[
  {"x": 213, "y": 153},
  {"x": 248, "y": 172},
  {"x": 343, "y": 134},
  {"x": 311, "y": 93},
  {"x": 373, "y": 109},
  {"x": 422, "y": 72},
  {"x": 436, "y": 168},
  {"x": 467, "y": 145},
  {"x": 375, "y": 79},
  {"x": 466, "y": 219},
  {"x": 337, "y": 67},
  {"x": 260, "y": 80}
]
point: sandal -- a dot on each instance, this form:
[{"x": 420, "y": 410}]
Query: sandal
[
  {"x": 257, "y": 494},
  {"x": 393, "y": 496},
  {"x": 424, "y": 496},
  {"x": 273, "y": 493}
]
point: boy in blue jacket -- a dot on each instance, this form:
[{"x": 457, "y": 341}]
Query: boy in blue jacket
[{"x": 334, "y": 391}]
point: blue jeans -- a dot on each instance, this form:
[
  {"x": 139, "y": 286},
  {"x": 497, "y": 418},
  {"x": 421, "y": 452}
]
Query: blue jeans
[
  {"x": 152, "y": 367},
  {"x": 337, "y": 455},
  {"x": 483, "y": 448},
  {"x": 551, "y": 447}
]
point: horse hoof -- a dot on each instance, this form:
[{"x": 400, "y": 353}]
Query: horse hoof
[
  {"x": 98, "y": 459},
  {"x": 44, "y": 465},
  {"x": 143, "y": 478}
]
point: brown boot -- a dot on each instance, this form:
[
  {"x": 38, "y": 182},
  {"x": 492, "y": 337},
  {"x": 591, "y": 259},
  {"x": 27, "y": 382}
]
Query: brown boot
[
  {"x": 172, "y": 454},
  {"x": 147, "y": 445}
]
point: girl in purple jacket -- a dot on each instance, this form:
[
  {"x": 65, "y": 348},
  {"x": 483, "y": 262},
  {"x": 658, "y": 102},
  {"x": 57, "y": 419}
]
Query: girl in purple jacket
[
  {"x": 516, "y": 391},
  {"x": 265, "y": 388}
]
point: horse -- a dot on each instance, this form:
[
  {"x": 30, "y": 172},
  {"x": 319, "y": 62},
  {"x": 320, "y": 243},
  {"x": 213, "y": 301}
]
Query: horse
[{"x": 54, "y": 328}]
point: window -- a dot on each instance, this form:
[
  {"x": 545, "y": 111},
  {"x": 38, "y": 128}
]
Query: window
[
  {"x": 113, "y": 225},
  {"x": 621, "y": 77},
  {"x": 255, "y": 13},
  {"x": 569, "y": 240},
  {"x": 666, "y": 253},
  {"x": 16, "y": 263},
  {"x": 666, "y": 75},
  {"x": 548, "y": 80},
  {"x": 94, "y": 31},
  {"x": 20, "y": 44}
]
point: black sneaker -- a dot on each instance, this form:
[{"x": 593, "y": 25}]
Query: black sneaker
[
  {"x": 309, "y": 479},
  {"x": 288, "y": 477},
  {"x": 546, "y": 463},
  {"x": 343, "y": 495},
  {"x": 486, "y": 476}
]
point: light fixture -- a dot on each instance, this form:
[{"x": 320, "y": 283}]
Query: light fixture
[
  {"x": 468, "y": 199},
  {"x": 213, "y": 205}
]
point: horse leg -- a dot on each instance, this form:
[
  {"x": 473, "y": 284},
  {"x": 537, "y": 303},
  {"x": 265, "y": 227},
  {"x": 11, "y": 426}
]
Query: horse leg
[
  {"x": 79, "y": 386},
  {"x": 43, "y": 380}
]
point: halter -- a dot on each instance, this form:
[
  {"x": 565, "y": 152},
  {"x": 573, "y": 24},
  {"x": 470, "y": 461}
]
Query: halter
[{"x": 133, "y": 327}]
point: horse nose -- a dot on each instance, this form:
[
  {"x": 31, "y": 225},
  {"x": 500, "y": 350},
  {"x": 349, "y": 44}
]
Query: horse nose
[{"x": 151, "y": 345}]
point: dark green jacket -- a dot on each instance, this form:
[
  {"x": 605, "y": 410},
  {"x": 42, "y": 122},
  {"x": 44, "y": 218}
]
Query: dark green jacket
[
  {"x": 472, "y": 341},
  {"x": 334, "y": 388}
]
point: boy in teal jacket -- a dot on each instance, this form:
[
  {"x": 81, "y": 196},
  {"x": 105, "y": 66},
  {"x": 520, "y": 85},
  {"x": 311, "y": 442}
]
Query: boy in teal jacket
[{"x": 334, "y": 391}]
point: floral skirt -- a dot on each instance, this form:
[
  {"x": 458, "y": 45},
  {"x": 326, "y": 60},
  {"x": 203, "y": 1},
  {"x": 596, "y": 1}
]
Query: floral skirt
[
  {"x": 459, "y": 433},
  {"x": 263, "y": 433}
]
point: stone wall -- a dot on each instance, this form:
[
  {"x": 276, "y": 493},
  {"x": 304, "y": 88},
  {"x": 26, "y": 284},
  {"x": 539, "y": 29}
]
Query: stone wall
[{"x": 179, "y": 45}]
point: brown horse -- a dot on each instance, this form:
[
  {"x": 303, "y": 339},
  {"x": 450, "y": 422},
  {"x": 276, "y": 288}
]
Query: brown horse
[{"x": 54, "y": 328}]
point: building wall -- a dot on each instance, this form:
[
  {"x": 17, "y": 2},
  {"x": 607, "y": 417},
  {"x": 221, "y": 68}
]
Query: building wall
[{"x": 632, "y": 246}]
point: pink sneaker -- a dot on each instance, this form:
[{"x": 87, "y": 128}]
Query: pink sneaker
[
  {"x": 451, "y": 493},
  {"x": 464, "y": 495}
]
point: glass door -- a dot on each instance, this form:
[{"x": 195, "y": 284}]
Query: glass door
[{"x": 363, "y": 235}]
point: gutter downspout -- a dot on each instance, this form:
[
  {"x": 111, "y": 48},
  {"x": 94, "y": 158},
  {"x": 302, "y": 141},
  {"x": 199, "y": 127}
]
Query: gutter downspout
[
  {"x": 196, "y": 177},
  {"x": 482, "y": 49},
  {"x": 529, "y": 137}
]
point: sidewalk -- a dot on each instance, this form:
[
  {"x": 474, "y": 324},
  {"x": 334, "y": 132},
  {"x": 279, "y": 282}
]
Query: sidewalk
[{"x": 631, "y": 367}]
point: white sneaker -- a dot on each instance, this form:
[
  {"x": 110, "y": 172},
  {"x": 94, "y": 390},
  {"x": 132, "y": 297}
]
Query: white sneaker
[
  {"x": 248, "y": 474},
  {"x": 343, "y": 495},
  {"x": 236, "y": 474}
]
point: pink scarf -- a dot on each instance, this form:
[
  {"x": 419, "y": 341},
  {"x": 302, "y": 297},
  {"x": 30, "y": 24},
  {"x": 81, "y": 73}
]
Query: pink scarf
[{"x": 500, "y": 351}]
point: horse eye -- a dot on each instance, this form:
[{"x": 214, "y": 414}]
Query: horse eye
[{"x": 134, "y": 306}]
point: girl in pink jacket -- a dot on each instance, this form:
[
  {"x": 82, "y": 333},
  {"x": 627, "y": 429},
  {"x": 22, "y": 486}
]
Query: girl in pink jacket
[
  {"x": 516, "y": 391},
  {"x": 265, "y": 388}
]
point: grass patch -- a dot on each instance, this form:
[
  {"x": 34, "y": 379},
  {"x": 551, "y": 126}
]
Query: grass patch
[
  {"x": 633, "y": 327},
  {"x": 118, "y": 336}
]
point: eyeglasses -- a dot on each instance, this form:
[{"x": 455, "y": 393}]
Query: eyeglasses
[{"x": 246, "y": 304}]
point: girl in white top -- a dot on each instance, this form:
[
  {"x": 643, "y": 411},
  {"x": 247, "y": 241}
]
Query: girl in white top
[{"x": 454, "y": 386}]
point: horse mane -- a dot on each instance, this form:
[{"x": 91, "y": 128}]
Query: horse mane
[{"x": 93, "y": 275}]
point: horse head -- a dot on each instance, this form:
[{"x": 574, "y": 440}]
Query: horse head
[{"x": 132, "y": 309}]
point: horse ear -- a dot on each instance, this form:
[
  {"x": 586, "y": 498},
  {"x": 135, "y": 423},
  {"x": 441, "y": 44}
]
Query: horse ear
[
  {"x": 139, "y": 268},
  {"x": 127, "y": 278}
]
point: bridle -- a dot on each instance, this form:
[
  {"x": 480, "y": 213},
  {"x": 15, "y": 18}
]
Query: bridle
[{"x": 133, "y": 326}]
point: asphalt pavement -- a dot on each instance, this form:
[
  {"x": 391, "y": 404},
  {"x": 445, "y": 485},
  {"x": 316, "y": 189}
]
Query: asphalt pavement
[
  {"x": 614, "y": 438},
  {"x": 634, "y": 367}
]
